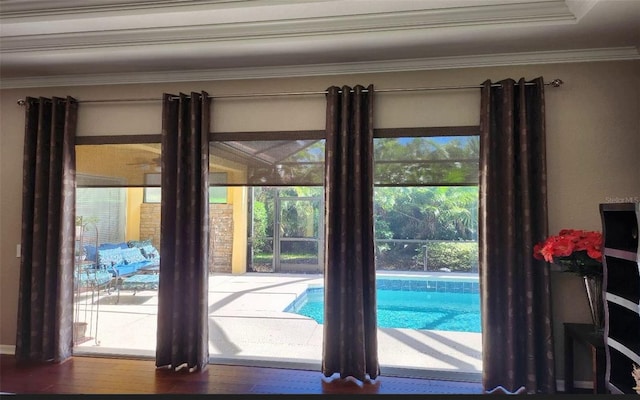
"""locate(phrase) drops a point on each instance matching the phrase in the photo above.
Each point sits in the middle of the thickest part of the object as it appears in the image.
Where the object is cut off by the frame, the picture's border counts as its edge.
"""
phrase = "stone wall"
(220, 236)
(150, 223)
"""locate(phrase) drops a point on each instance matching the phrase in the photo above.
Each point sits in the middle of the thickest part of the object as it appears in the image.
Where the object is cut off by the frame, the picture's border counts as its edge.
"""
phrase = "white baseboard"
(7, 349)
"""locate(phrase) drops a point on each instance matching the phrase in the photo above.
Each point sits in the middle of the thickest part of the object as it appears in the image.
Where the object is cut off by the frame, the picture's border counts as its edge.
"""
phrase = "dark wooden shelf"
(622, 285)
(594, 339)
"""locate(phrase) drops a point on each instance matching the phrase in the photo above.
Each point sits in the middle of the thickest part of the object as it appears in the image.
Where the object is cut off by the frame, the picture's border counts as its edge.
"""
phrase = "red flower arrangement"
(578, 251)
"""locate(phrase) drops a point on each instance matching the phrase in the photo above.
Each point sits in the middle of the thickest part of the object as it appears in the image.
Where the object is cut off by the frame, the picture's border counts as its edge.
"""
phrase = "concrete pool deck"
(247, 326)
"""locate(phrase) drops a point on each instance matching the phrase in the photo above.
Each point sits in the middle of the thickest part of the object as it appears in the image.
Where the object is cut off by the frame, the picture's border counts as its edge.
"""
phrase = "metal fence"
(427, 255)
(391, 255)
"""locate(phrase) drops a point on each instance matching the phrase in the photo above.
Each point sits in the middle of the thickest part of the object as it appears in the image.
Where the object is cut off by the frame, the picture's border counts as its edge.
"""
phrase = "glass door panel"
(299, 235)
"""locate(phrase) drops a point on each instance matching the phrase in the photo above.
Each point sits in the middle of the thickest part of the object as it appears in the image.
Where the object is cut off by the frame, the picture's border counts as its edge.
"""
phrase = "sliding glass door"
(117, 246)
(267, 250)
(426, 219)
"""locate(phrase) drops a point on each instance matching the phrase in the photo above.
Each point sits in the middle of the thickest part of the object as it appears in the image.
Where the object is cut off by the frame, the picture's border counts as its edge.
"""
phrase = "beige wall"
(593, 141)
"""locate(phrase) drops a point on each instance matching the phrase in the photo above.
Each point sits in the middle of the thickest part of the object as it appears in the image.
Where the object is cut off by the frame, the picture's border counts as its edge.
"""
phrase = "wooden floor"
(94, 375)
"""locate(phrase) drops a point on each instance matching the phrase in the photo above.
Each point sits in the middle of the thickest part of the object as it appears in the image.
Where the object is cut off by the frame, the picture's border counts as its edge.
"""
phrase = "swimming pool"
(446, 305)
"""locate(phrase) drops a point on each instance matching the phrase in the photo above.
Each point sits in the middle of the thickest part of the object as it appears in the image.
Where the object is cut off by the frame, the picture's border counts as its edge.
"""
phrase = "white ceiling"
(78, 42)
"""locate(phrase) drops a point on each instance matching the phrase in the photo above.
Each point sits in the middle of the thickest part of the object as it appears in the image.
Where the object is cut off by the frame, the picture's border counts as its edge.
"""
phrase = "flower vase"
(593, 284)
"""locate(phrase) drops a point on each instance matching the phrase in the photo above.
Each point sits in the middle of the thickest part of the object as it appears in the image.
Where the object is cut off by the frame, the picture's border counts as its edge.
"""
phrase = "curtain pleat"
(182, 332)
(515, 288)
(350, 346)
(45, 297)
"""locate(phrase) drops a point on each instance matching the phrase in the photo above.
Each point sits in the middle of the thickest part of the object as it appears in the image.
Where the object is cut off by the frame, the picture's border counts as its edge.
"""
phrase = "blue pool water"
(432, 310)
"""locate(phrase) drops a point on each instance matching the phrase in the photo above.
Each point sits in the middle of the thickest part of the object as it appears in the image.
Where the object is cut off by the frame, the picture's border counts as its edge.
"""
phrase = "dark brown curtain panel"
(45, 299)
(183, 334)
(350, 346)
(517, 327)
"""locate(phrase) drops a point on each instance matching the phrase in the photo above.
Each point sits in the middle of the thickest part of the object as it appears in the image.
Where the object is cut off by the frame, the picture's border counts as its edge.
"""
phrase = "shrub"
(404, 256)
(457, 257)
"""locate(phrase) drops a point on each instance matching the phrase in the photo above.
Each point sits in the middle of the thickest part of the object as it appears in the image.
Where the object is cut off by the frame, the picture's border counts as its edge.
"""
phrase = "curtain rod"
(553, 83)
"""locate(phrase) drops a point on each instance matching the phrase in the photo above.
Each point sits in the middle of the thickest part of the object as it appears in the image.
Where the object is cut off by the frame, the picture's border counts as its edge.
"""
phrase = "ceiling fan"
(148, 164)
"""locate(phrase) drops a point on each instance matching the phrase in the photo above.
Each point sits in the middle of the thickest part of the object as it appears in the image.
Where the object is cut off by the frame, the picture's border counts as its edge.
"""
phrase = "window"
(104, 206)
(267, 211)
(280, 176)
(426, 199)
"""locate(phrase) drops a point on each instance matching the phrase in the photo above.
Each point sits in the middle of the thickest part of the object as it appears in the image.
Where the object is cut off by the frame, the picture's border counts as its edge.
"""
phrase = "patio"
(248, 327)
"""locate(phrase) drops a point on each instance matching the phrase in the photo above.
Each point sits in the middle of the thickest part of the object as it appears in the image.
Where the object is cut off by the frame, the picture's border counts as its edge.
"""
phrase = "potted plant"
(578, 252)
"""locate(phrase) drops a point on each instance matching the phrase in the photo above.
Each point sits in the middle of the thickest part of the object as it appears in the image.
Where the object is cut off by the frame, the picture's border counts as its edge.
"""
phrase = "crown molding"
(36, 8)
(209, 26)
(580, 8)
(21, 9)
(438, 63)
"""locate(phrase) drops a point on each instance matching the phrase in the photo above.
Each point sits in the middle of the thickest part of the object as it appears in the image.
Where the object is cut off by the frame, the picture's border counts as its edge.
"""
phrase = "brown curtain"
(183, 334)
(350, 346)
(515, 288)
(45, 298)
